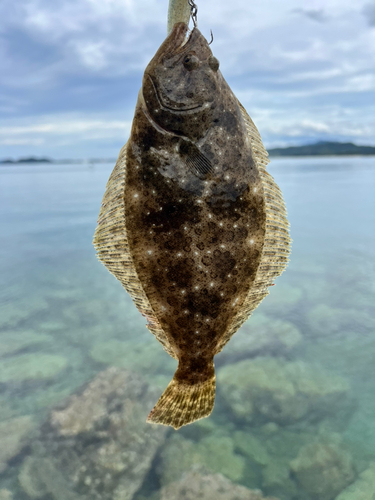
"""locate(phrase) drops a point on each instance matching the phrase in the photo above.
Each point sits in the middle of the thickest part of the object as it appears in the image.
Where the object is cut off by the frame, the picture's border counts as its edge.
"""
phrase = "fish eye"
(213, 63)
(191, 62)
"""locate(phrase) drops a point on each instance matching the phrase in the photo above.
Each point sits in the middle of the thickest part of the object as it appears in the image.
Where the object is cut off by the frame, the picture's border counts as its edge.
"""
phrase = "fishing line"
(193, 12)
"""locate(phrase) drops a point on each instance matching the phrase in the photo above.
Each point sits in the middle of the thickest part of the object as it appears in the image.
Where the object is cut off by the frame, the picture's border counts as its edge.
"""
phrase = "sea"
(295, 409)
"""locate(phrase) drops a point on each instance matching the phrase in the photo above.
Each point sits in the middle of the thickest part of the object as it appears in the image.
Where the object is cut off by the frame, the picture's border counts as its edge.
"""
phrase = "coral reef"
(323, 469)
(96, 445)
(208, 486)
(268, 389)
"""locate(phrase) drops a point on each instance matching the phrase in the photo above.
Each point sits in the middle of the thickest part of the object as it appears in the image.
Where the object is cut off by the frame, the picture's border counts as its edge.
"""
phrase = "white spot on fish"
(251, 241)
(136, 195)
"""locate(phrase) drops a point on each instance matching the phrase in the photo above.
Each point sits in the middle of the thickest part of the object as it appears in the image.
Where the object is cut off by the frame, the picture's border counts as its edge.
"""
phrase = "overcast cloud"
(70, 70)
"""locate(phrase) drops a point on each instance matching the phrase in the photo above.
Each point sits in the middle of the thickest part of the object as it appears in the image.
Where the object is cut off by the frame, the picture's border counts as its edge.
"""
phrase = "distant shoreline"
(33, 160)
(317, 149)
(324, 149)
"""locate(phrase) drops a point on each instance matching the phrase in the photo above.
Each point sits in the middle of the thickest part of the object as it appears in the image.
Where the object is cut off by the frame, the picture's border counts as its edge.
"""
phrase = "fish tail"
(182, 403)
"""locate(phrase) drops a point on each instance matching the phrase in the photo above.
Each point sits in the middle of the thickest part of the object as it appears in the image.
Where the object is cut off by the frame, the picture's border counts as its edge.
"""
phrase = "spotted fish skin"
(196, 218)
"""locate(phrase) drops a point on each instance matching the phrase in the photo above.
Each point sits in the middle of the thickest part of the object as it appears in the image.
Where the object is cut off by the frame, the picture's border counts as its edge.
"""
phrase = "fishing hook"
(193, 12)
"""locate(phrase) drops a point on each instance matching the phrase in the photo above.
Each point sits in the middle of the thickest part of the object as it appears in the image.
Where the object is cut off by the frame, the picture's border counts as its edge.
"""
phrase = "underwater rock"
(15, 341)
(13, 434)
(6, 494)
(208, 486)
(363, 488)
(269, 389)
(39, 477)
(26, 367)
(29, 479)
(323, 469)
(327, 321)
(136, 356)
(282, 299)
(6, 410)
(12, 313)
(96, 445)
(251, 447)
(276, 480)
(214, 452)
(260, 335)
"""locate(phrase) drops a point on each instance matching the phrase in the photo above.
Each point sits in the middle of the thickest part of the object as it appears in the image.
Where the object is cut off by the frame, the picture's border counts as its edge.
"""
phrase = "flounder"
(191, 223)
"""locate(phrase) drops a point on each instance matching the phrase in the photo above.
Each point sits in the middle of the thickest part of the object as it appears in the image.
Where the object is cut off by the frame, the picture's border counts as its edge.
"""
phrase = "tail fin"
(182, 404)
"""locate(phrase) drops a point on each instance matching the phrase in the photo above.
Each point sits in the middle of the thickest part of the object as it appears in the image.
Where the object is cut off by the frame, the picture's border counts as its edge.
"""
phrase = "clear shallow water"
(310, 379)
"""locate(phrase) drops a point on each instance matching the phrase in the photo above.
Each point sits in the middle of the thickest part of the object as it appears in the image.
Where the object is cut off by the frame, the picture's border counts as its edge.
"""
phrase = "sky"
(70, 70)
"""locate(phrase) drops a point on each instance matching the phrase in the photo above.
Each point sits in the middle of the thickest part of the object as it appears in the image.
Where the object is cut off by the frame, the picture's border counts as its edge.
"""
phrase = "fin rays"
(181, 404)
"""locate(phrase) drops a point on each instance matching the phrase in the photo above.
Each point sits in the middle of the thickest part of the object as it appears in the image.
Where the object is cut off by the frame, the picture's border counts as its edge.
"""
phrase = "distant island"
(32, 159)
(323, 149)
(317, 149)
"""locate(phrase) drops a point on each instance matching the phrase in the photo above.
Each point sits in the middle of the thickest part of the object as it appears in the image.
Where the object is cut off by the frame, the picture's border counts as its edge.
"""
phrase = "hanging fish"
(191, 223)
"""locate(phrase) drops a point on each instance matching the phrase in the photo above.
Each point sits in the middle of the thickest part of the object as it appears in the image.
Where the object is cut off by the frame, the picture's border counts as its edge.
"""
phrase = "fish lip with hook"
(182, 78)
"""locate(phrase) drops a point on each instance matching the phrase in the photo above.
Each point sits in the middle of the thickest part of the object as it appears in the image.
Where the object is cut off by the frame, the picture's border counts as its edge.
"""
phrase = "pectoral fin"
(196, 161)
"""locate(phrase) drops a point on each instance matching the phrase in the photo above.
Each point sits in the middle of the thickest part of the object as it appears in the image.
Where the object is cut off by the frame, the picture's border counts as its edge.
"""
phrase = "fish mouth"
(164, 105)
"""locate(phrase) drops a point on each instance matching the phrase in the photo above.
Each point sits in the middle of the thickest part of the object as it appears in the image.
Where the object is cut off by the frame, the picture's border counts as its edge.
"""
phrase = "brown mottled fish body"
(191, 223)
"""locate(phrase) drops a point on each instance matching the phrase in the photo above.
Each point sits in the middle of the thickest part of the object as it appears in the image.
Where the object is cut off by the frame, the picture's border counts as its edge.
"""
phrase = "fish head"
(181, 84)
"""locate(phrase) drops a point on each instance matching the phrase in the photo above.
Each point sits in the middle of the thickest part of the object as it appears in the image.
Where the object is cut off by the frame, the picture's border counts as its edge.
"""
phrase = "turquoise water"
(296, 385)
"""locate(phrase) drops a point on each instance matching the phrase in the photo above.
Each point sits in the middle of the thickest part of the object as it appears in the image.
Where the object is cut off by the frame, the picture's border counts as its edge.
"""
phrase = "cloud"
(369, 12)
(317, 15)
(67, 132)
(71, 69)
